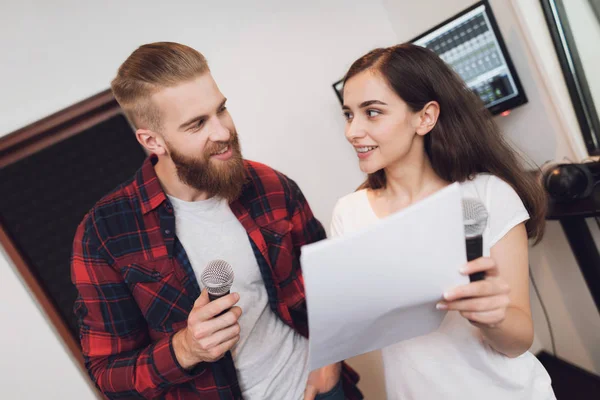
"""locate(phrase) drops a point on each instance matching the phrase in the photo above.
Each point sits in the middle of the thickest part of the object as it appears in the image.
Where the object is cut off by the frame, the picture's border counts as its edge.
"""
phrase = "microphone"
(475, 218)
(217, 278)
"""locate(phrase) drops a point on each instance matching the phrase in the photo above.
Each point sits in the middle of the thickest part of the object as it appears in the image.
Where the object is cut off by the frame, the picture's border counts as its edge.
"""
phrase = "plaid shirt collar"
(149, 190)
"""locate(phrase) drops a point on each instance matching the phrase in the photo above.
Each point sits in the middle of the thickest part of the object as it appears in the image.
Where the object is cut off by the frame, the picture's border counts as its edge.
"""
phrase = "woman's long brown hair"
(465, 140)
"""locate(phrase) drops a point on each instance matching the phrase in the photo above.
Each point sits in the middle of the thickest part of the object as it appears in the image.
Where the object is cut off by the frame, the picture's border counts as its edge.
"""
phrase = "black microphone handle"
(474, 251)
(212, 297)
(227, 361)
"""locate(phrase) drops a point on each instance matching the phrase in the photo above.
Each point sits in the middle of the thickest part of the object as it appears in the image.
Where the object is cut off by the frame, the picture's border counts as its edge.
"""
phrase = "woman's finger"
(481, 264)
(476, 304)
(489, 318)
(486, 287)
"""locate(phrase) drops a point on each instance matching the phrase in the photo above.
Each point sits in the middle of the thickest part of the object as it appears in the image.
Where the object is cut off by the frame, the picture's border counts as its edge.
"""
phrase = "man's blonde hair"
(148, 69)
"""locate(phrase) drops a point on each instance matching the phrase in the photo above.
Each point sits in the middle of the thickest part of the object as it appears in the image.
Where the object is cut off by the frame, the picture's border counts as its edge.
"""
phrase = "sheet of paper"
(373, 288)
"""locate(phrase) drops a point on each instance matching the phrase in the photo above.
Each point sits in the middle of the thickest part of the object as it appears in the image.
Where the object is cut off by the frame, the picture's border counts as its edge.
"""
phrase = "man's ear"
(151, 141)
(428, 117)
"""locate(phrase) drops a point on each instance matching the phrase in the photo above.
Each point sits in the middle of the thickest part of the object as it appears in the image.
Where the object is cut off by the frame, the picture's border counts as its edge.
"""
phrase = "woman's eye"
(373, 113)
(347, 116)
(222, 109)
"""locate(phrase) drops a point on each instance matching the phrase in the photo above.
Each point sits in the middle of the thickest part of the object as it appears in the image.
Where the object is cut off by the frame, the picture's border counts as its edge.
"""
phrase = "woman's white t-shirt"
(454, 362)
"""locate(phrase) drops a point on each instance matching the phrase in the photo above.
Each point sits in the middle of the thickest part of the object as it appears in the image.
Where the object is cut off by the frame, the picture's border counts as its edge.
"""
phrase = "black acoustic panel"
(43, 198)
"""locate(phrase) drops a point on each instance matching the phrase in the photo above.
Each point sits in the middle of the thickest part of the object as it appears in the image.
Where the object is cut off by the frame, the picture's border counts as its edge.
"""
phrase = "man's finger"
(202, 300)
(216, 307)
(221, 336)
(207, 328)
(226, 346)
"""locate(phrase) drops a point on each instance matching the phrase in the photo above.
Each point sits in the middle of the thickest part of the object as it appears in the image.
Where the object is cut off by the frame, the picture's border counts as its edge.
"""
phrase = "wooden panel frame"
(29, 140)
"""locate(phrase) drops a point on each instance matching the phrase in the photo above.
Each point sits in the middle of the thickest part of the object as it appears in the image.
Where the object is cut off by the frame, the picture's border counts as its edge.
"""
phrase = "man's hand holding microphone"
(212, 326)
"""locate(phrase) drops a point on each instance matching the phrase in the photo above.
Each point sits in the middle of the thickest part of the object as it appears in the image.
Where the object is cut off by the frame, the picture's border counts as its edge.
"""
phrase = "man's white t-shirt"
(454, 362)
(270, 357)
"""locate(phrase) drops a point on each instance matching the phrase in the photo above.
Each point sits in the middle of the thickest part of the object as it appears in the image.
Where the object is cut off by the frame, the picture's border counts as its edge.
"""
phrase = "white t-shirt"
(270, 357)
(454, 362)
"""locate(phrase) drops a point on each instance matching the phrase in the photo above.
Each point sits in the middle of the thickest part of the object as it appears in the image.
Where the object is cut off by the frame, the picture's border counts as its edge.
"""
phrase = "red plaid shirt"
(136, 285)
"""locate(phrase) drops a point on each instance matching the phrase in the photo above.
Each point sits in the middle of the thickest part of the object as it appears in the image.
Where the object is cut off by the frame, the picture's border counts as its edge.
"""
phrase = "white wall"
(274, 60)
(34, 363)
(574, 317)
(544, 129)
(537, 137)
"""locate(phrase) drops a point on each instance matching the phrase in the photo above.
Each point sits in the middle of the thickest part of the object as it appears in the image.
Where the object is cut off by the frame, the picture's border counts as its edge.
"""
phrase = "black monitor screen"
(472, 45)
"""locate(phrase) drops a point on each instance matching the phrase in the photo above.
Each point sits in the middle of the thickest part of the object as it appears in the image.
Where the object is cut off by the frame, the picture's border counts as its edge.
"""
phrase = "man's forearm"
(150, 367)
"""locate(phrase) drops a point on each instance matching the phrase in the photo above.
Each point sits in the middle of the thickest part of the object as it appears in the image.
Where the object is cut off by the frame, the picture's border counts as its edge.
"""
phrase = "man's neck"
(172, 185)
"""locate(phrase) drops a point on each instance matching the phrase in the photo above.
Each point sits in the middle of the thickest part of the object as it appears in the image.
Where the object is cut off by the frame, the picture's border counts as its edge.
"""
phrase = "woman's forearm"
(513, 336)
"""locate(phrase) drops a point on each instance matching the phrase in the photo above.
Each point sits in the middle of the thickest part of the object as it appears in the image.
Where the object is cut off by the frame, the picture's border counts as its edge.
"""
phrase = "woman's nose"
(354, 131)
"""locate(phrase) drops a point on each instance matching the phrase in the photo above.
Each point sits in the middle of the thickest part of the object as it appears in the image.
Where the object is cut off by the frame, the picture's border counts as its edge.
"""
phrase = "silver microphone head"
(217, 277)
(475, 217)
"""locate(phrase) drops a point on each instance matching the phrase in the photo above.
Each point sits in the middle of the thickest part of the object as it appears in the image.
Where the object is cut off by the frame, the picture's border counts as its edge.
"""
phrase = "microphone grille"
(475, 217)
(217, 277)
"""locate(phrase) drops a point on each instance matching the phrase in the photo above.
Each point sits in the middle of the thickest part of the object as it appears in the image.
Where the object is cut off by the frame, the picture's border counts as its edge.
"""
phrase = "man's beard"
(216, 177)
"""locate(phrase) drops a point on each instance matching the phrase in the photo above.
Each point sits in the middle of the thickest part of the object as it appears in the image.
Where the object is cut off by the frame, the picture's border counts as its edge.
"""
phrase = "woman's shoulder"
(350, 201)
(505, 207)
(482, 179)
(350, 213)
(486, 185)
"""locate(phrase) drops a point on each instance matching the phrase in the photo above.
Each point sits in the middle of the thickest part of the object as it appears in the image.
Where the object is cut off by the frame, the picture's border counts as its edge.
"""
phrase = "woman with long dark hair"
(417, 128)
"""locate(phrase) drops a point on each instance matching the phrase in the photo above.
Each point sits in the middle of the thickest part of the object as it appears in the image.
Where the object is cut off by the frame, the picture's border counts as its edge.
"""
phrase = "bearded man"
(147, 327)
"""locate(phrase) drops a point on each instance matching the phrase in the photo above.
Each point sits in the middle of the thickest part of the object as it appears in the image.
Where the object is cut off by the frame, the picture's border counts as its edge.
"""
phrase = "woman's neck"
(408, 182)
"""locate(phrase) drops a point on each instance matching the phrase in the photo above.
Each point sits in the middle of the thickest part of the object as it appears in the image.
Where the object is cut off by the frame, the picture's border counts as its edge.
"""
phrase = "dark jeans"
(337, 393)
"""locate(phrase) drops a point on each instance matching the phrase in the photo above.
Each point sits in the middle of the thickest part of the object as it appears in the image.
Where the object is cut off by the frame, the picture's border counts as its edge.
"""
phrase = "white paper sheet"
(370, 289)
